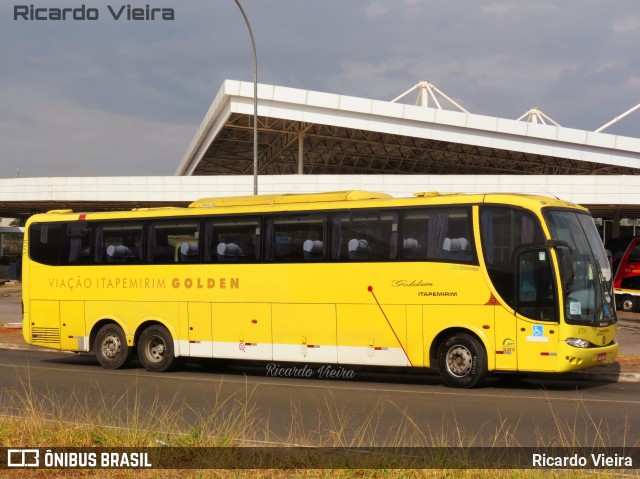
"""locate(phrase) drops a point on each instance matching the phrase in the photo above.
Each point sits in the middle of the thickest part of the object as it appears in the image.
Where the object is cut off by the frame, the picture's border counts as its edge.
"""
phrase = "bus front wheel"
(462, 361)
(112, 351)
(628, 303)
(155, 349)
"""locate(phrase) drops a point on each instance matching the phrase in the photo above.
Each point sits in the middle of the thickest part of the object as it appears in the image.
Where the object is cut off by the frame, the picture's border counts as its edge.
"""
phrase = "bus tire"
(112, 350)
(462, 361)
(155, 349)
(628, 303)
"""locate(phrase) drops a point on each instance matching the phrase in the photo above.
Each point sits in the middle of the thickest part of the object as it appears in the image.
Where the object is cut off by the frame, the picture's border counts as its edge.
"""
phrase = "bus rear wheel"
(155, 349)
(462, 361)
(112, 351)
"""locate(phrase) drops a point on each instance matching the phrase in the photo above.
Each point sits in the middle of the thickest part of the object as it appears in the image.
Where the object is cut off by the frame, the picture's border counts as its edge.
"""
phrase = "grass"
(84, 419)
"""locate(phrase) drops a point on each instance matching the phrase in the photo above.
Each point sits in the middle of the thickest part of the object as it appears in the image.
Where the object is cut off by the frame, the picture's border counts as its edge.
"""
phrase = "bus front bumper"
(571, 358)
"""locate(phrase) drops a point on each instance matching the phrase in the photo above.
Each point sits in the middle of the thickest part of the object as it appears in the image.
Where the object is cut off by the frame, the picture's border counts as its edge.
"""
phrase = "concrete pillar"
(301, 153)
(615, 232)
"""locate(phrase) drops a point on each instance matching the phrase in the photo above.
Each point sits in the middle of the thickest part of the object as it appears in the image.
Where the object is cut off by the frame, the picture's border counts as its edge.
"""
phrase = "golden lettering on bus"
(73, 283)
(205, 283)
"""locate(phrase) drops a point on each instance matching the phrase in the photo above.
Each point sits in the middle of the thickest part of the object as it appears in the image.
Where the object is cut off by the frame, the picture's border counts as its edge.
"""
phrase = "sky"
(121, 97)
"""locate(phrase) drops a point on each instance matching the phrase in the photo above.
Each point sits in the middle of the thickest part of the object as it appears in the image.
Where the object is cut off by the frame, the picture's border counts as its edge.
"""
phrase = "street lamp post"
(255, 101)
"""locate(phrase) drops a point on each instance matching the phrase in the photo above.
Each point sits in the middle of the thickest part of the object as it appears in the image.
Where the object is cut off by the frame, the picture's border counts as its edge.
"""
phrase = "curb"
(603, 376)
(26, 347)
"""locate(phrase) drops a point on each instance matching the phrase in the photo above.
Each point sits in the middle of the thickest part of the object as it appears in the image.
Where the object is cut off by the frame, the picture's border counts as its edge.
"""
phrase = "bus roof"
(287, 198)
(283, 202)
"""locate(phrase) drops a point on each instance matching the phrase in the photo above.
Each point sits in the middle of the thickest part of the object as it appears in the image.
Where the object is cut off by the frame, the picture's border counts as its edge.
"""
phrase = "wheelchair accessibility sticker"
(538, 334)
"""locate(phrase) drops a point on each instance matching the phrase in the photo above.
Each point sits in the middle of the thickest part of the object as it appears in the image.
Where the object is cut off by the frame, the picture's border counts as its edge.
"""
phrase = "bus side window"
(296, 238)
(45, 241)
(173, 242)
(118, 242)
(415, 229)
(438, 234)
(232, 240)
(77, 243)
(370, 235)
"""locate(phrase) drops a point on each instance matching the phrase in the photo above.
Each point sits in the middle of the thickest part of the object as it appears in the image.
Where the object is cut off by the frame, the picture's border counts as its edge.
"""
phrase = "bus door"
(536, 310)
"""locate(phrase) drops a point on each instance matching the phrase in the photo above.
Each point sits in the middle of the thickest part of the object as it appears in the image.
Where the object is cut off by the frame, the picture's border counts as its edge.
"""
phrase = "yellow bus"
(465, 284)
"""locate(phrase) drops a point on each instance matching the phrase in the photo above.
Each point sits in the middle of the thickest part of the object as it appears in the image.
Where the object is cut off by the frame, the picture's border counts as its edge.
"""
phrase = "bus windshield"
(586, 273)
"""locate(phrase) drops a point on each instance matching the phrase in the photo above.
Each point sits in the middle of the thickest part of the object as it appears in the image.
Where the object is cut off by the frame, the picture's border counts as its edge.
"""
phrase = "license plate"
(602, 357)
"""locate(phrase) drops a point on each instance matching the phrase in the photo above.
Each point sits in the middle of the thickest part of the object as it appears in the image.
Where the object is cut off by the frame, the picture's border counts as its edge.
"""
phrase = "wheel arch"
(97, 326)
(157, 322)
(444, 334)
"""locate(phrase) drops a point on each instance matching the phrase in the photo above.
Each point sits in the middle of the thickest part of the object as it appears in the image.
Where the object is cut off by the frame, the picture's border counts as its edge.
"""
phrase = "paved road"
(629, 333)
(370, 409)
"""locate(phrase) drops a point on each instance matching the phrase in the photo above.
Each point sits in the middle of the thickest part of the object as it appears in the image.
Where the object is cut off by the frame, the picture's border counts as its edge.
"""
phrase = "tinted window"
(296, 238)
(635, 253)
(77, 243)
(45, 242)
(443, 234)
(504, 229)
(232, 240)
(173, 242)
(536, 291)
(370, 235)
(118, 243)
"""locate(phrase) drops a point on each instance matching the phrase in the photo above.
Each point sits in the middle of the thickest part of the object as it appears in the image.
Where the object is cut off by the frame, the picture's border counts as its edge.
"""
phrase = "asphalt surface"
(372, 408)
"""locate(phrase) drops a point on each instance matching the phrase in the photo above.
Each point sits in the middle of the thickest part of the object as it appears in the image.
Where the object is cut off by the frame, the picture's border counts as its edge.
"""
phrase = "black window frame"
(53, 255)
(155, 256)
(293, 252)
(209, 243)
(136, 253)
(365, 246)
(434, 251)
(502, 274)
(386, 226)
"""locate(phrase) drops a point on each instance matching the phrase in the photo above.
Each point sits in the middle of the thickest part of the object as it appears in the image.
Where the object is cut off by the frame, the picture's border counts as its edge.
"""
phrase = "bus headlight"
(578, 343)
